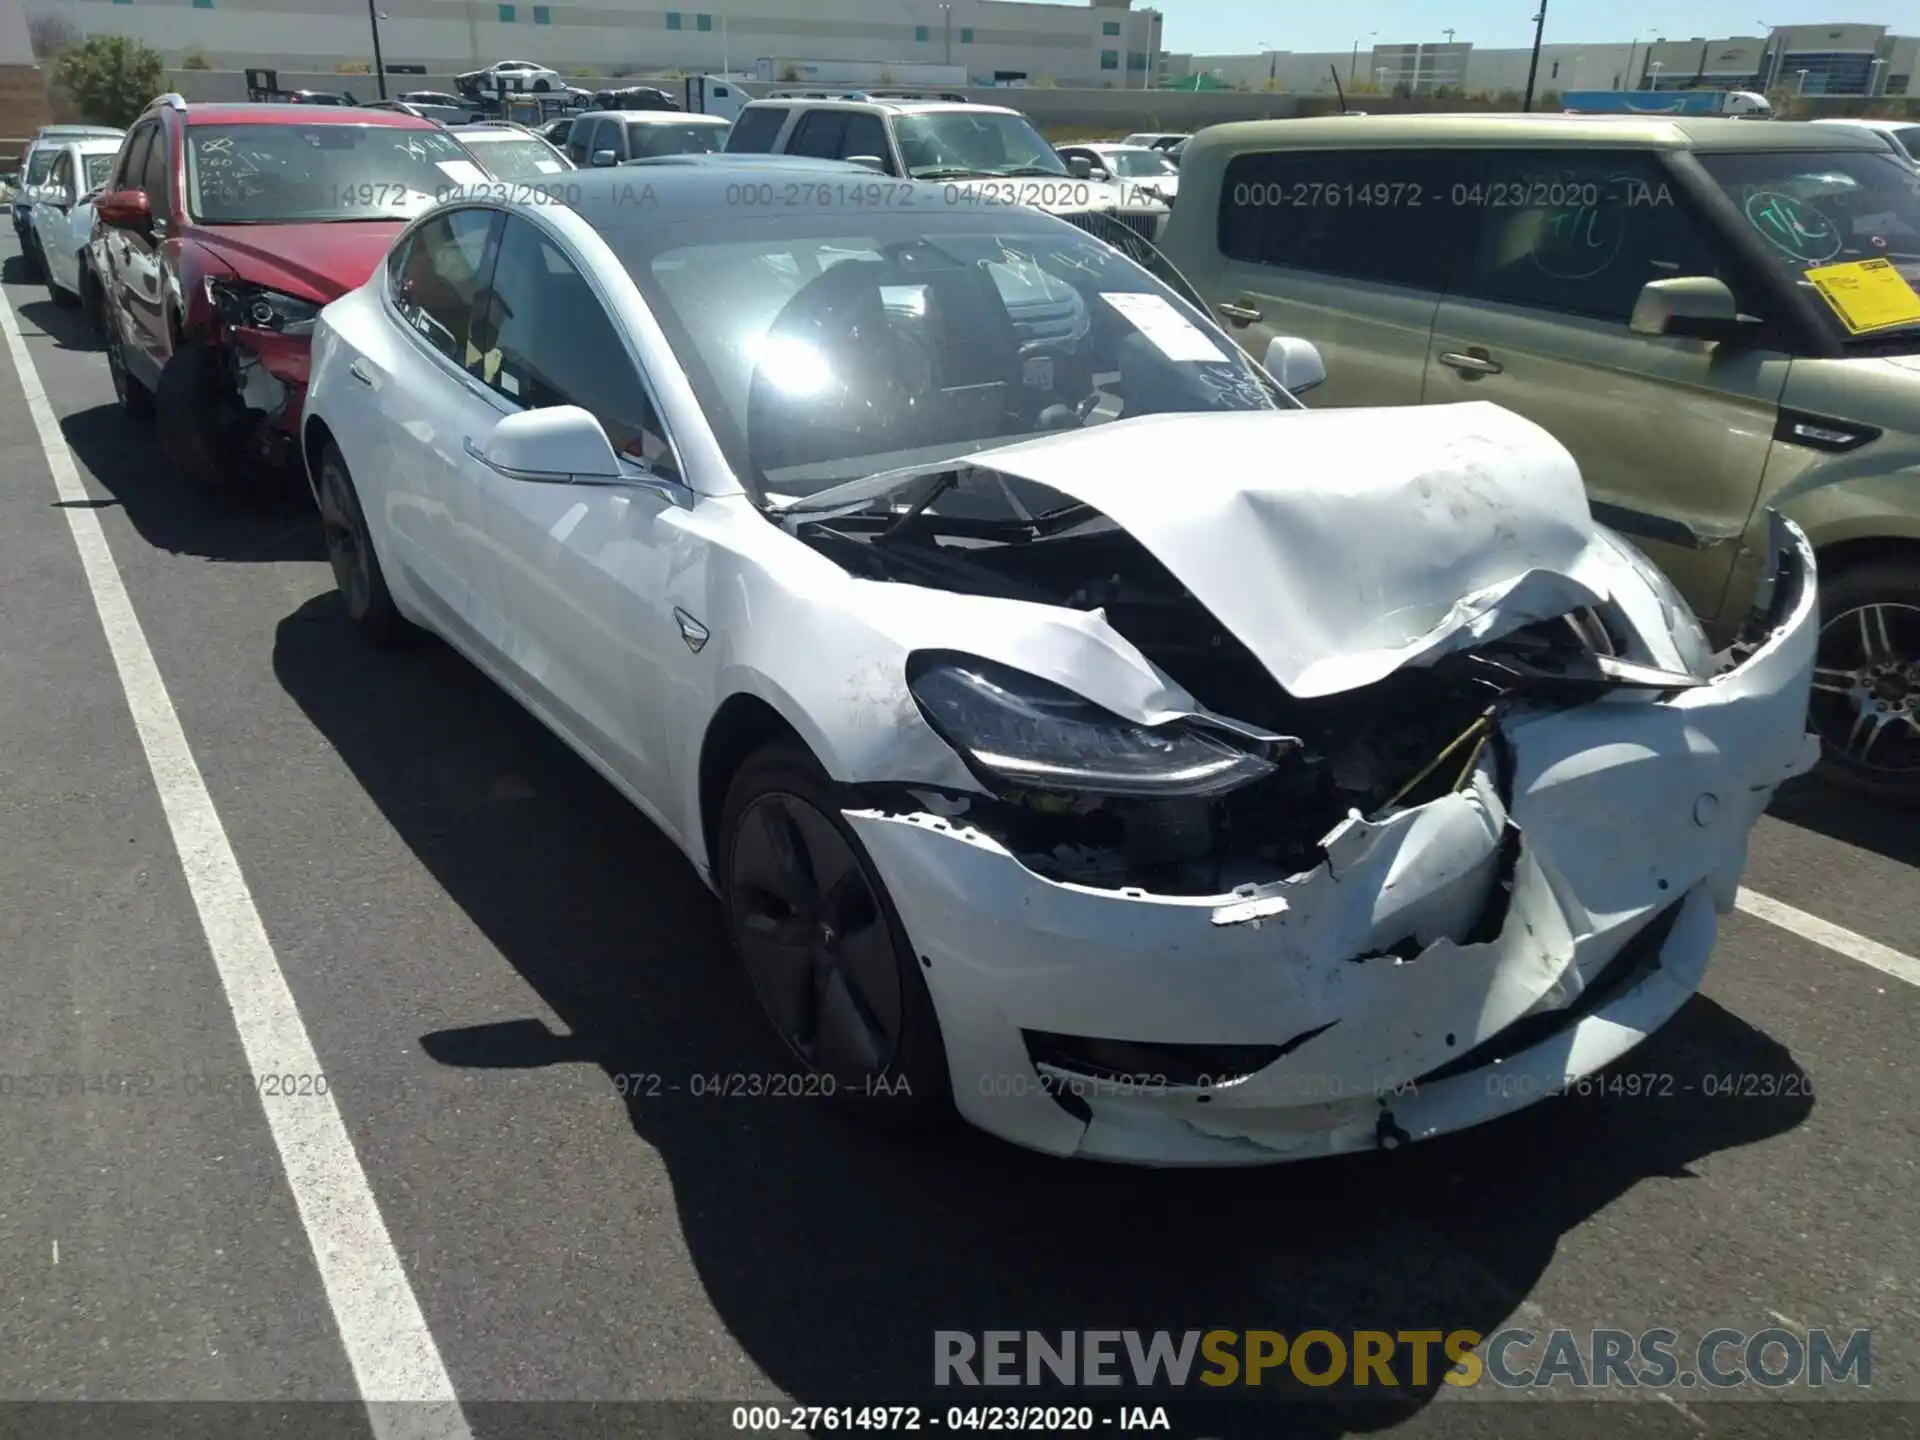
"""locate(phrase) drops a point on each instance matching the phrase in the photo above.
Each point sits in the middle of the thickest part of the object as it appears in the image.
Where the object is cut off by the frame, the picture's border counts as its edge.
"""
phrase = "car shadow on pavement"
(275, 521)
(66, 325)
(14, 270)
(833, 1252)
(1852, 819)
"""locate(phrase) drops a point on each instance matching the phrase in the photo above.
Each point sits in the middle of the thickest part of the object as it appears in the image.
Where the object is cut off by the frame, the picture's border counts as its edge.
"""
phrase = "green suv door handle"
(1474, 362)
(1239, 314)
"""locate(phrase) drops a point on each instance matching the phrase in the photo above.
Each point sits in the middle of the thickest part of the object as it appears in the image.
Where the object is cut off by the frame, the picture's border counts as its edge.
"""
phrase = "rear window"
(40, 165)
(646, 140)
(756, 130)
(99, 171)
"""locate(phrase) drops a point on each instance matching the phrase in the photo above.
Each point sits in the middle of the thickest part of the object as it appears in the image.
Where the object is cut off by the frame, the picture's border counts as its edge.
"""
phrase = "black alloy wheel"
(1866, 687)
(136, 401)
(822, 946)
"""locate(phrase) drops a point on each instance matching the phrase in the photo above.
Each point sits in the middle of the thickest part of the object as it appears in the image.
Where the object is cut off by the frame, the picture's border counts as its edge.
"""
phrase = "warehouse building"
(1839, 59)
(1102, 43)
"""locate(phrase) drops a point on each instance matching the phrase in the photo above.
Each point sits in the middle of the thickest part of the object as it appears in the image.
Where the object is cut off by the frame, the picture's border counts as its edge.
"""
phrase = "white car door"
(416, 399)
(581, 572)
(52, 208)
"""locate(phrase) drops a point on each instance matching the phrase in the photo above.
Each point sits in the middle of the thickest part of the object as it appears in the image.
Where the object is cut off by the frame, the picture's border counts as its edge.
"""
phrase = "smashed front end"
(238, 390)
(1433, 810)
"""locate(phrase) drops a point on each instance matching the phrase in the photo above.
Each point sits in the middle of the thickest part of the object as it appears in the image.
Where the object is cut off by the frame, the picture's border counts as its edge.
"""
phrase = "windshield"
(268, 174)
(1819, 212)
(1139, 164)
(973, 142)
(40, 165)
(516, 157)
(829, 348)
(98, 169)
(1908, 139)
(646, 140)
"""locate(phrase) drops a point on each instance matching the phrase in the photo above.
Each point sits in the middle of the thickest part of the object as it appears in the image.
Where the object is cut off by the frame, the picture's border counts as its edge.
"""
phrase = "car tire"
(356, 565)
(829, 962)
(197, 423)
(542, 87)
(90, 300)
(136, 401)
(1866, 700)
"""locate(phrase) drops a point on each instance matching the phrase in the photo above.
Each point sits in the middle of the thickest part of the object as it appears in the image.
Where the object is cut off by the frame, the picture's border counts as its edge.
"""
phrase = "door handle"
(1239, 314)
(359, 371)
(1475, 362)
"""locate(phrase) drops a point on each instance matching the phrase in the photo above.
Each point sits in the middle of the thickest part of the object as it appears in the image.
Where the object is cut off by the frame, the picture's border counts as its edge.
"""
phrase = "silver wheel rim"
(1866, 684)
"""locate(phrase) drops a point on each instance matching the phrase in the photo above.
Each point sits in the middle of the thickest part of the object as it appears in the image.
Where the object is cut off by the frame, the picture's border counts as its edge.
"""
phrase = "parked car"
(510, 152)
(984, 154)
(1900, 136)
(36, 161)
(555, 132)
(62, 219)
(227, 228)
(857, 545)
(1649, 290)
(438, 98)
(506, 77)
(1157, 139)
(1134, 166)
(321, 97)
(463, 114)
(613, 137)
(633, 97)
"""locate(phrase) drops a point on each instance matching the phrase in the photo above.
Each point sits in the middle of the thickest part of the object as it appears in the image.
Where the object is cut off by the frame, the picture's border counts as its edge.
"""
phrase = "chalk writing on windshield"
(1792, 226)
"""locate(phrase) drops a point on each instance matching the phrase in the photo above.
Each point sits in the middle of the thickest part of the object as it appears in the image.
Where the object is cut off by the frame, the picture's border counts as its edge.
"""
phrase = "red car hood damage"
(318, 262)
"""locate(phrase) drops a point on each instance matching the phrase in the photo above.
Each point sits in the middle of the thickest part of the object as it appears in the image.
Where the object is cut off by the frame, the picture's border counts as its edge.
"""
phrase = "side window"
(1346, 213)
(577, 142)
(62, 176)
(609, 135)
(1578, 233)
(154, 170)
(438, 276)
(133, 158)
(560, 131)
(867, 135)
(818, 134)
(543, 338)
(755, 130)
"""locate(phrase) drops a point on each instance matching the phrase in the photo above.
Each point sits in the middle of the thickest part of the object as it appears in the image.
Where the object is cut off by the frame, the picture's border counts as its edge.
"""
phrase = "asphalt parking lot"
(478, 944)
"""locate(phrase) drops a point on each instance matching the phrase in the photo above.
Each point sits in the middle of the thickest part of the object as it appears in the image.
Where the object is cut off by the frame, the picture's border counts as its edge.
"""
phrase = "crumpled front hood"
(1340, 545)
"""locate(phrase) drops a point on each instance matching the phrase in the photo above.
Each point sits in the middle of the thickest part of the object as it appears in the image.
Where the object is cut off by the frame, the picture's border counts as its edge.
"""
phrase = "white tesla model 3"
(1077, 730)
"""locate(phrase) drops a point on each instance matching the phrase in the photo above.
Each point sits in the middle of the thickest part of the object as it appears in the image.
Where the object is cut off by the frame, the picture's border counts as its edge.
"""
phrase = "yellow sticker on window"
(1867, 294)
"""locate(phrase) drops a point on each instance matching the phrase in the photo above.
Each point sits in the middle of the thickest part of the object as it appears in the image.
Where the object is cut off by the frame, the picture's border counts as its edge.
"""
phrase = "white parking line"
(395, 1361)
(1884, 958)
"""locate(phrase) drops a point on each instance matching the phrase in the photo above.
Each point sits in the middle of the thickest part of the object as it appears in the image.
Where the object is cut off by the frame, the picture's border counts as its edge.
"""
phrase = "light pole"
(1873, 78)
(1533, 65)
(1771, 54)
(1801, 88)
(1654, 70)
(379, 65)
(1355, 60)
(1273, 64)
(946, 16)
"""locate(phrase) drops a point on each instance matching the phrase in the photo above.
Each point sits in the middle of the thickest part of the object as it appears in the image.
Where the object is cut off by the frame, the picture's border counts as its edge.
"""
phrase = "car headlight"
(261, 309)
(1689, 637)
(1020, 732)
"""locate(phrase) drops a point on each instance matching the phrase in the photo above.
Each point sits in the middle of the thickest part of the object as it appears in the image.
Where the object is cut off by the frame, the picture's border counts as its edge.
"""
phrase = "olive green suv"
(1717, 317)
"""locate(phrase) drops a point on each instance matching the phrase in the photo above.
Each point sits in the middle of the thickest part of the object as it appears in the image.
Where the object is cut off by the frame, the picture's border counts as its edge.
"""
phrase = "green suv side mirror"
(1696, 307)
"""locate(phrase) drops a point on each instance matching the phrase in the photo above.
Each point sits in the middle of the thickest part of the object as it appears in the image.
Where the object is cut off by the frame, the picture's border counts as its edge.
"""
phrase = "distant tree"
(1549, 100)
(1509, 100)
(353, 67)
(112, 78)
(194, 60)
(49, 32)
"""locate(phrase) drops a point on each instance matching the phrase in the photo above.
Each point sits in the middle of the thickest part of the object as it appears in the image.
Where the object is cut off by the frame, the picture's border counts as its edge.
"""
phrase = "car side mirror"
(1295, 363)
(603, 158)
(558, 445)
(126, 210)
(1080, 167)
(1696, 307)
(869, 162)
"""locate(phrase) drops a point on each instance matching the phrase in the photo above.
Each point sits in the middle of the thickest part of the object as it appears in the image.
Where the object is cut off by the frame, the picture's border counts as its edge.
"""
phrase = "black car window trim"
(507, 406)
(390, 302)
(132, 164)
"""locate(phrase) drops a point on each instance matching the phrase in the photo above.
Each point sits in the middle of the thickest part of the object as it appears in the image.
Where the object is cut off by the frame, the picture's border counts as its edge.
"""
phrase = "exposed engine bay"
(1417, 734)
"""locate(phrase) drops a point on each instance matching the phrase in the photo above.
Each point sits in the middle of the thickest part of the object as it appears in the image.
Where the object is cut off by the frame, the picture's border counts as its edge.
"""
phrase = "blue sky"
(1212, 27)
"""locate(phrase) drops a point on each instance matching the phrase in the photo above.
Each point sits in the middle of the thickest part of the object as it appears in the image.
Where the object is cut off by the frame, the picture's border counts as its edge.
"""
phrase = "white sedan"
(1077, 730)
(62, 217)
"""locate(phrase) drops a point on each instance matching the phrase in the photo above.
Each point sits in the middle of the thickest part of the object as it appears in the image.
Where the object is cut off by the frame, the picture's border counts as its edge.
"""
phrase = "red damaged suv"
(225, 228)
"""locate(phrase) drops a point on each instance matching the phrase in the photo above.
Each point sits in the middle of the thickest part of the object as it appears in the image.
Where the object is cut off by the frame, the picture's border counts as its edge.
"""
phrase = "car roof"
(50, 130)
(1411, 132)
(93, 144)
(756, 160)
(899, 107)
(653, 117)
(1887, 126)
(268, 113)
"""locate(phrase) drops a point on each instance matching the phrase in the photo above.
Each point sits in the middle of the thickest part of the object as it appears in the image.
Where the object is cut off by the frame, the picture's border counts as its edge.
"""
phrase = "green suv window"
(1579, 233)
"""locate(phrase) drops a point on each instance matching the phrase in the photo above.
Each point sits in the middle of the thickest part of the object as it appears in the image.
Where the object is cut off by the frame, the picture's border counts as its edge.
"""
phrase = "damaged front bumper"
(1447, 964)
